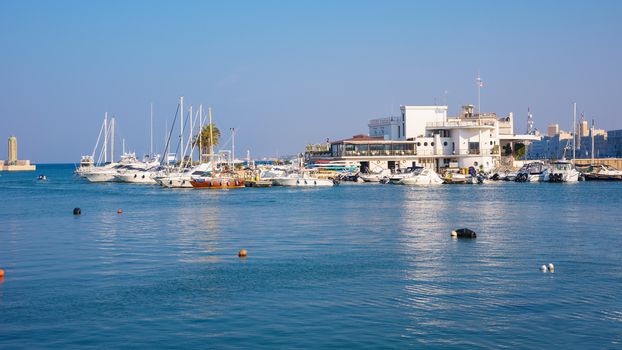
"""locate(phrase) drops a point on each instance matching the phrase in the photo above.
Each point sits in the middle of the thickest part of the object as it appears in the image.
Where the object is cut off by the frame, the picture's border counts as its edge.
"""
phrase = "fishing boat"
(217, 181)
(563, 171)
(533, 172)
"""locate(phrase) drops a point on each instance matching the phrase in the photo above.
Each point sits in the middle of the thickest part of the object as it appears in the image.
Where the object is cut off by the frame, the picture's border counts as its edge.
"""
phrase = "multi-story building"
(426, 136)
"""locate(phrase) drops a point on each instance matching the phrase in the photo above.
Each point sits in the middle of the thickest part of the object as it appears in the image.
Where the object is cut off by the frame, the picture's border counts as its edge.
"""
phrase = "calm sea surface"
(354, 266)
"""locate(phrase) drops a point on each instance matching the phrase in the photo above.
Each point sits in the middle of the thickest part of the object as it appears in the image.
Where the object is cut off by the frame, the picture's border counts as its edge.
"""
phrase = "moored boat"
(562, 171)
(533, 172)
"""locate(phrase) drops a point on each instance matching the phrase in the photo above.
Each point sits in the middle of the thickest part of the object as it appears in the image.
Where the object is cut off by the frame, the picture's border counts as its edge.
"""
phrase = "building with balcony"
(425, 136)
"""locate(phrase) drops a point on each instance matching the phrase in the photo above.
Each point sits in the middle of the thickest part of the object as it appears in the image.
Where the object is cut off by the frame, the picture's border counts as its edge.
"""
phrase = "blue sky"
(288, 73)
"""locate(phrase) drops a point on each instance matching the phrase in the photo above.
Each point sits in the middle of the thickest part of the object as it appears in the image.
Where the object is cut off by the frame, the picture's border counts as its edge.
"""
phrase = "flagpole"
(479, 87)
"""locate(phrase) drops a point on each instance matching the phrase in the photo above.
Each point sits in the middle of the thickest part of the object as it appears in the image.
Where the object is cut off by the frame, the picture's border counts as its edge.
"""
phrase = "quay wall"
(614, 162)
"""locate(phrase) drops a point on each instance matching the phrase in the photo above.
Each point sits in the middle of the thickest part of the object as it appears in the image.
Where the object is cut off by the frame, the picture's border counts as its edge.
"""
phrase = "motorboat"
(533, 172)
(303, 179)
(458, 178)
(376, 176)
(601, 172)
(399, 174)
(563, 171)
(106, 172)
(421, 176)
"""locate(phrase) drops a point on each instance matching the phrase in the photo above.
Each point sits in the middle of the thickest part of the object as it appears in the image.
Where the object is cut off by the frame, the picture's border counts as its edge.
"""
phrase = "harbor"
(310, 175)
(424, 146)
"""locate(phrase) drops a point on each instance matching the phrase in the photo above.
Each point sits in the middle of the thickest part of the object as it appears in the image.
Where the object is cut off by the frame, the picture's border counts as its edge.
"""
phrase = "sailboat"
(215, 178)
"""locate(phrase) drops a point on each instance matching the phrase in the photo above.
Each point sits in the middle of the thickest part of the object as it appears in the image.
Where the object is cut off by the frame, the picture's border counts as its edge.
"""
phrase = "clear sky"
(288, 73)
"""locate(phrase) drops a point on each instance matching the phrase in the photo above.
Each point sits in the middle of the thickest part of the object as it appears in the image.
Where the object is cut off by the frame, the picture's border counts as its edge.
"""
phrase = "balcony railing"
(382, 153)
(384, 121)
(419, 152)
(461, 123)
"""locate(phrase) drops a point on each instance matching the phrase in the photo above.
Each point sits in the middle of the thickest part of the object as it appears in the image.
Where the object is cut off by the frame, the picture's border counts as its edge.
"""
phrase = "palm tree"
(203, 138)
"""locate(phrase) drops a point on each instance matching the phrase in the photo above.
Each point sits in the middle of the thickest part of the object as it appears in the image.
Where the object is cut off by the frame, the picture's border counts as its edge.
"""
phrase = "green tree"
(521, 150)
(203, 138)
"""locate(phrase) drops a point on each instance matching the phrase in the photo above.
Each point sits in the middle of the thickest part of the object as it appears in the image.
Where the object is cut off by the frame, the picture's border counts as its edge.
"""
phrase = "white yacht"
(533, 172)
(137, 175)
(420, 176)
(303, 179)
(563, 171)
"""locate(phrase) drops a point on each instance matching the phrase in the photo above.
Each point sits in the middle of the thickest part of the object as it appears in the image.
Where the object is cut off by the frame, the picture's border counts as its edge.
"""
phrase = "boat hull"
(136, 178)
(218, 183)
(302, 182)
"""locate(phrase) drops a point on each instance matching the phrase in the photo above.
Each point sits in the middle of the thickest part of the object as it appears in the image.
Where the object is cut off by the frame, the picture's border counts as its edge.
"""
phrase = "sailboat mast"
(200, 133)
(232, 148)
(106, 137)
(151, 132)
(181, 125)
(211, 139)
(574, 130)
(190, 135)
(592, 132)
(112, 140)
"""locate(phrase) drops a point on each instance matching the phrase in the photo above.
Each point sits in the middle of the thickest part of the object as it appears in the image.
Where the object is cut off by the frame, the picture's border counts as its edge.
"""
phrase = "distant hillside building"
(607, 144)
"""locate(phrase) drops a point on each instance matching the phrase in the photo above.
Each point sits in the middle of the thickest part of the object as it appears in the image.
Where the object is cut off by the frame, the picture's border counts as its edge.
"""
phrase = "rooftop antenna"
(530, 130)
(480, 85)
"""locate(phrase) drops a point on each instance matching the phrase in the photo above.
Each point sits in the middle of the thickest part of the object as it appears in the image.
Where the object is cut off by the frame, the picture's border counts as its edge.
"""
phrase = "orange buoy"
(242, 253)
(119, 211)
(1, 273)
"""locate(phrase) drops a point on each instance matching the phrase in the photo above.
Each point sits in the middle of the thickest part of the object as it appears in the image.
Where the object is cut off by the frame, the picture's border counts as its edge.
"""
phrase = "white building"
(425, 136)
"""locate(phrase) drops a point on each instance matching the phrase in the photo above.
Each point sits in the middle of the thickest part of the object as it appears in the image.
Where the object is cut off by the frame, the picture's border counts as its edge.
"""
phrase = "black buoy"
(77, 211)
(463, 233)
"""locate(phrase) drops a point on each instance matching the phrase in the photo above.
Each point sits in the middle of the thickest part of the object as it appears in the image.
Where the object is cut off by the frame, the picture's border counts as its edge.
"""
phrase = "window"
(418, 143)
(473, 147)
(432, 144)
(399, 131)
(425, 143)
(445, 143)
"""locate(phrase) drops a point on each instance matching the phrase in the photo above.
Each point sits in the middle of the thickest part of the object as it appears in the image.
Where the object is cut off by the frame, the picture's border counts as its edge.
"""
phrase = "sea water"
(353, 266)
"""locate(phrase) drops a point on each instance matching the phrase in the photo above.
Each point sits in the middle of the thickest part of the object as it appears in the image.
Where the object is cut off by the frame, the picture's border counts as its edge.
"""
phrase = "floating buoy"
(463, 233)
(77, 211)
(1, 273)
(242, 253)
(543, 268)
(119, 211)
(551, 267)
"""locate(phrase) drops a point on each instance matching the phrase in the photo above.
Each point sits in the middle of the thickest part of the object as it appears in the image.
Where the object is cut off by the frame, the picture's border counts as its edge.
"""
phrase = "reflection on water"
(352, 266)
